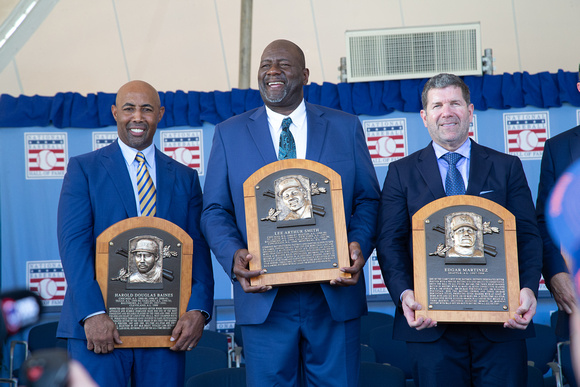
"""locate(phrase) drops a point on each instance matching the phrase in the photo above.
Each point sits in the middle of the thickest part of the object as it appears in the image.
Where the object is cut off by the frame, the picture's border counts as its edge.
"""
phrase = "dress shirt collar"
(130, 153)
(298, 117)
(464, 150)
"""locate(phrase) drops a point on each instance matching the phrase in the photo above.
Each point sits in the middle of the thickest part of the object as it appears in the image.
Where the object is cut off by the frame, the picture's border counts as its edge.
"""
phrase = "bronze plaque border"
(304, 276)
(102, 270)
(420, 266)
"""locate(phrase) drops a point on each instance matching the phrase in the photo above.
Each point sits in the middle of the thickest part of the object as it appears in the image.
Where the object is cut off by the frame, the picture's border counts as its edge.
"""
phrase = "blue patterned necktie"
(454, 184)
(145, 188)
(287, 148)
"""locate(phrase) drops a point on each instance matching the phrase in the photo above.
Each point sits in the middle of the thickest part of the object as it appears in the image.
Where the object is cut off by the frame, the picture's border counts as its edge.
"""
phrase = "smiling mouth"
(136, 130)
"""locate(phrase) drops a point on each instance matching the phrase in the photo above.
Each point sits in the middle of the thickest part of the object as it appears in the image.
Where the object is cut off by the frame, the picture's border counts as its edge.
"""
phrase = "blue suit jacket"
(241, 146)
(559, 153)
(97, 193)
(415, 181)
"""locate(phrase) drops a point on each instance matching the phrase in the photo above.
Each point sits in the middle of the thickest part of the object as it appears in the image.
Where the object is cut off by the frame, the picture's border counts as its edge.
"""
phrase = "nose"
(137, 115)
(273, 69)
(446, 110)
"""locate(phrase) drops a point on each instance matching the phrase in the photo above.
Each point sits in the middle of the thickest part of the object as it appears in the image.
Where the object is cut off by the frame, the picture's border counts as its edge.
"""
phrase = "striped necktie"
(454, 184)
(287, 148)
(145, 188)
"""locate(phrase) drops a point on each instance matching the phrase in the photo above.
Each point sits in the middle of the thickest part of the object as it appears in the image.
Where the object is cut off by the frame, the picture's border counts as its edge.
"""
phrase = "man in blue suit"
(316, 326)
(457, 354)
(99, 190)
(559, 153)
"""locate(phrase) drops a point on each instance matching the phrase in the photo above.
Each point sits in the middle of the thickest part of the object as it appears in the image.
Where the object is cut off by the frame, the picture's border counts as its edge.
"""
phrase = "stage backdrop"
(515, 113)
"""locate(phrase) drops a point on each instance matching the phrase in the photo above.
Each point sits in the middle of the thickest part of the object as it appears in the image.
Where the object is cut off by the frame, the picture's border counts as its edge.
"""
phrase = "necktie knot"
(452, 158)
(286, 123)
(140, 158)
(287, 147)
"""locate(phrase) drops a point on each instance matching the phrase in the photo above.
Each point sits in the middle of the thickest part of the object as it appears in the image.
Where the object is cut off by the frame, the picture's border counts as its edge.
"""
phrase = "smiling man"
(100, 189)
(457, 354)
(314, 328)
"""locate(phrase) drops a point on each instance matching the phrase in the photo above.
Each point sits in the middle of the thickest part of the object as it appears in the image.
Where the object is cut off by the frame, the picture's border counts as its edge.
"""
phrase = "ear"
(306, 74)
(161, 112)
(424, 117)
(114, 111)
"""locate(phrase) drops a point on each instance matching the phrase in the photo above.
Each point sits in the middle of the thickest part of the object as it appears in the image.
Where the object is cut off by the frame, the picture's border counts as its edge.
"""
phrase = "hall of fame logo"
(102, 139)
(46, 278)
(46, 155)
(386, 139)
(376, 282)
(185, 146)
(526, 134)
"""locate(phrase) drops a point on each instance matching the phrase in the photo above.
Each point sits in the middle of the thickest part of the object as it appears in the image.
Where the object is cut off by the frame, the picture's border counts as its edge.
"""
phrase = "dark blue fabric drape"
(65, 110)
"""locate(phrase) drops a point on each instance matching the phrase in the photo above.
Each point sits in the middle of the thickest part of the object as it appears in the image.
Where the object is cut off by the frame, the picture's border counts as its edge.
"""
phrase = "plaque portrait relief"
(293, 198)
(464, 236)
(144, 269)
(145, 260)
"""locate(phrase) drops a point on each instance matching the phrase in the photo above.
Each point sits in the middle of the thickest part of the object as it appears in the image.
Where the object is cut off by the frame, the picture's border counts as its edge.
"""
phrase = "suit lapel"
(260, 132)
(165, 180)
(479, 168)
(429, 170)
(317, 128)
(112, 158)
(575, 146)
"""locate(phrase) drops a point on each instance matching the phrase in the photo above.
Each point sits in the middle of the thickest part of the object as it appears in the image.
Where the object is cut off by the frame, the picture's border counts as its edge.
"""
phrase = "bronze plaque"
(144, 271)
(295, 223)
(465, 260)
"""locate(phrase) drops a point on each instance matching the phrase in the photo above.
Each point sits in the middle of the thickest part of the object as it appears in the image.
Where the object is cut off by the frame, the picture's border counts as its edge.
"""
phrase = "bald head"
(283, 44)
(138, 87)
(137, 111)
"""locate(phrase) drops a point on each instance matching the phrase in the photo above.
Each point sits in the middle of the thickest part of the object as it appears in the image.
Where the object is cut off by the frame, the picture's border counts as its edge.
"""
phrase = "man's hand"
(242, 259)
(357, 263)
(563, 291)
(188, 331)
(409, 308)
(525, 312)
(102, 333)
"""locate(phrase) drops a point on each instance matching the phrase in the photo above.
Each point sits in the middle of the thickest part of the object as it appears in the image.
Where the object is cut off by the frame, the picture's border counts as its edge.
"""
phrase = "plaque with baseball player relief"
(143, 266)
(295, 223)
(465, 261)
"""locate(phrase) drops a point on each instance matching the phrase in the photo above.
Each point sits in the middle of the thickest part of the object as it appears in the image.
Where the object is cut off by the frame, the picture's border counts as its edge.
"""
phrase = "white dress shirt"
(298, 128)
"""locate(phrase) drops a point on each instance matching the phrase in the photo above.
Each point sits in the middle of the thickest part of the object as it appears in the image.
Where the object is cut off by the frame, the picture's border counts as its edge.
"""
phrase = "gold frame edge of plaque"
(102, 268)
(420, 269)
(297, 277)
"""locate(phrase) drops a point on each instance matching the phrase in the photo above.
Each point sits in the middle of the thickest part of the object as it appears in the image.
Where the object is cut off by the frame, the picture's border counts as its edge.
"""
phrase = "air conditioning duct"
(413, 52)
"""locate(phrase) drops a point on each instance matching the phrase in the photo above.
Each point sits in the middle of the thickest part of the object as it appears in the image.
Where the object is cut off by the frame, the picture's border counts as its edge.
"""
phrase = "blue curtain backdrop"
(72, 110)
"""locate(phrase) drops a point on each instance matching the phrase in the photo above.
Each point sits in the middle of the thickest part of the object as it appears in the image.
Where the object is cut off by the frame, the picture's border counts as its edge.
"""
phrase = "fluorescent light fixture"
(20, 25)
(18, 22)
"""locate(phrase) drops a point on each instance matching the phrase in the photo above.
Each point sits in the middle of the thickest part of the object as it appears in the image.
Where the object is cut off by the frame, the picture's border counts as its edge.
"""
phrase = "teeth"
(137, 130)
(275, 83)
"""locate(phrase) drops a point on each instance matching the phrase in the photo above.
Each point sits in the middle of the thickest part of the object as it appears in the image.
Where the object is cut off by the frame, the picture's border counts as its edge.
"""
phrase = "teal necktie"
(145, 188)
(454, 184)
(287, 148)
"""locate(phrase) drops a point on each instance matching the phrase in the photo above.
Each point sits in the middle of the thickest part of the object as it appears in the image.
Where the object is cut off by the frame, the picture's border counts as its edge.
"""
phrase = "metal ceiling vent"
(414, 52)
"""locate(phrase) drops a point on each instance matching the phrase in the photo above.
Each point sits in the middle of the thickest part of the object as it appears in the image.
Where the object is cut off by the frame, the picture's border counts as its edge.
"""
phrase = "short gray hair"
(441, 81)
